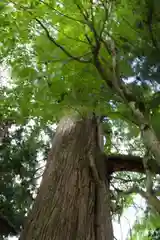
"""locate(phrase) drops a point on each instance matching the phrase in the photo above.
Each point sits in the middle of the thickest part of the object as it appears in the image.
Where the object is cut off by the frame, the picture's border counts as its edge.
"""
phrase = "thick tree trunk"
(71, 203)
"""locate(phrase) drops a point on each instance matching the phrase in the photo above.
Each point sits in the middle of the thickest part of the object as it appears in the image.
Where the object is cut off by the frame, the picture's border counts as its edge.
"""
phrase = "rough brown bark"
(121, 162)
(71, 204)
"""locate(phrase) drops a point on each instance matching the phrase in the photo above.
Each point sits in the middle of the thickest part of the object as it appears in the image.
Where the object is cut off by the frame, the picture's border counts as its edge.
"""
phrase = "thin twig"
(89, 41)
(74, 39)
(128, 180)
(88, 22)
(60, 46)
(105, 19)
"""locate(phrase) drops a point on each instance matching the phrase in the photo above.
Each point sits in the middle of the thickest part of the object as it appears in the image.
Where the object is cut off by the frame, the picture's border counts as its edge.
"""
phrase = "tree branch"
(74, 39)
(79, 59)
(149, 180)
(90, 25)
(130, 180)
(118, 163)
(136, 105)
(105, 18)
(6, 227)
(150, 7)
(151, 199)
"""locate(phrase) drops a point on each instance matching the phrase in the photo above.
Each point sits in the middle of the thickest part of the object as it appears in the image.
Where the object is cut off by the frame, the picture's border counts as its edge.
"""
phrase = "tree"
(87, 83)
(19, 171)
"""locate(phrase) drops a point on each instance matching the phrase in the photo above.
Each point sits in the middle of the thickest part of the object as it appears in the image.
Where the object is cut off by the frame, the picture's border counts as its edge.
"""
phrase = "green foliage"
(44, 71)
(18, 167)
(146, 228)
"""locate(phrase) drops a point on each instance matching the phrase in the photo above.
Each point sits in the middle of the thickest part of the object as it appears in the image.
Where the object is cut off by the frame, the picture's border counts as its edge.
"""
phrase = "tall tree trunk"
(71, 203)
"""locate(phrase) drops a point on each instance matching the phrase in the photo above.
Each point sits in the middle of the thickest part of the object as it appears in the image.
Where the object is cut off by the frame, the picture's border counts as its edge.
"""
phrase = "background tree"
(21, 151)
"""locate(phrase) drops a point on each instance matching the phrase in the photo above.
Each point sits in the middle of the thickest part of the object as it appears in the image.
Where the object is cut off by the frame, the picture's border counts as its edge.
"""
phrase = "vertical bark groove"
(70, 204)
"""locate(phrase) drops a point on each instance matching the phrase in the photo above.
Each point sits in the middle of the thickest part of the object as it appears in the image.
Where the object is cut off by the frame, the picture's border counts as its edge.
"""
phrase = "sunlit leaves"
(145, 227)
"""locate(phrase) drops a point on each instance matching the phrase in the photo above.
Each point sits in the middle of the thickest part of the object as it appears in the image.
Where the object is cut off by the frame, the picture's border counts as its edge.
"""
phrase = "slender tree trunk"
(148, 134)
(151, 142)
(71, 204)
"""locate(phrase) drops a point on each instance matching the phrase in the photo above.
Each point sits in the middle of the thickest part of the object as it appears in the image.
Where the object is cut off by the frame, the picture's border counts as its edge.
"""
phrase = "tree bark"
(71, 203)
(124, 163)
(148, 134)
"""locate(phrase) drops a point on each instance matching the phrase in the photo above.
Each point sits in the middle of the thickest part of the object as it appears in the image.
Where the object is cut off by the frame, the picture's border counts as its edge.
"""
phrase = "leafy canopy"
(50, 46)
